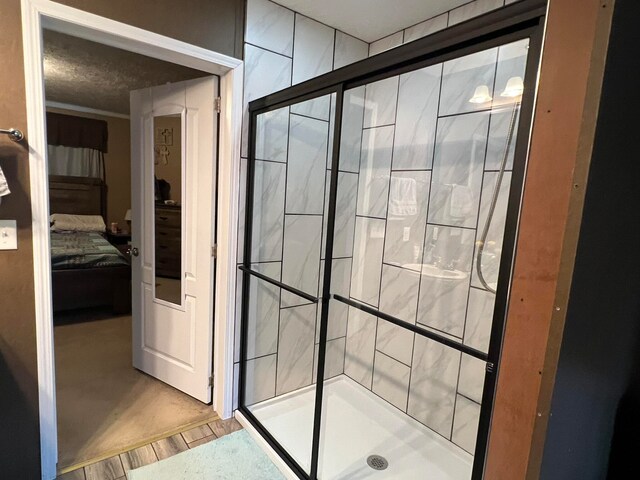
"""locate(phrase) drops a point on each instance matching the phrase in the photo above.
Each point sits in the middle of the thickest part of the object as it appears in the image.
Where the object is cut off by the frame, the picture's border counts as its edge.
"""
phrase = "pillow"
(77, 223)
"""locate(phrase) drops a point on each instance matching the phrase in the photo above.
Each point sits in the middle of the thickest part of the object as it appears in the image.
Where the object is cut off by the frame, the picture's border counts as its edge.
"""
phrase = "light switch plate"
(8, 235)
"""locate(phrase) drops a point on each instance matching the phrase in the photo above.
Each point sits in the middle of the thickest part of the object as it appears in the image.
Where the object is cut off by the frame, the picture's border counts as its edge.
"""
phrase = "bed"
(87, 271)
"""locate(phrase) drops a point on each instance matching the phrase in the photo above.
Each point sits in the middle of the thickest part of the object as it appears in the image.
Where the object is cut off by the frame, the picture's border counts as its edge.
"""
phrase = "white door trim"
(37, 14)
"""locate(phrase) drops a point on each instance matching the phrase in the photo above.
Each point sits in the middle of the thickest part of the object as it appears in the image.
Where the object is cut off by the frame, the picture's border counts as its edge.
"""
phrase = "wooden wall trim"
(571, 74)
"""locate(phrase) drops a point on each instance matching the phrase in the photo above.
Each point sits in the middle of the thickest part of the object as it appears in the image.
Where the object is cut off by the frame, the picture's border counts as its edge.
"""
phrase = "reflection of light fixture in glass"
(481, 95)
(514, 87)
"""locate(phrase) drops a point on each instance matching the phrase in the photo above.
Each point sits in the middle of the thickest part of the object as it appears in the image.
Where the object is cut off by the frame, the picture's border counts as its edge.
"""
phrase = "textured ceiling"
(89, 74)
(370, 20)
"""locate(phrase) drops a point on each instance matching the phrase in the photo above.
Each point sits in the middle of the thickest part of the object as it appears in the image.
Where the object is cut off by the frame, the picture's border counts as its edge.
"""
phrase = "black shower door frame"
(521, 20)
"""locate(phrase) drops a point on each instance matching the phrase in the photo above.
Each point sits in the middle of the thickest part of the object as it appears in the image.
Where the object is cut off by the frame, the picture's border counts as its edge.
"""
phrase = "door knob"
(135, 252)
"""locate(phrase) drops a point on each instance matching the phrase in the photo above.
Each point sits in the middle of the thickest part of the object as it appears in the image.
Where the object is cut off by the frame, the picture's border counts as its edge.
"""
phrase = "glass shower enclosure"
(382, 209)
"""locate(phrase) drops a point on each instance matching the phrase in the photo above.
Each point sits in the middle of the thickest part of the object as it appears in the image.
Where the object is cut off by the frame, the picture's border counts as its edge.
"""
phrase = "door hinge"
(217, 102)
(490, 367)
(214, 251)
(211, 381)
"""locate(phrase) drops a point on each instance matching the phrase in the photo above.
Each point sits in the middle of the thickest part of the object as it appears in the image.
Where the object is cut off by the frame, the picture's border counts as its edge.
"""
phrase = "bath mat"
(232, 457)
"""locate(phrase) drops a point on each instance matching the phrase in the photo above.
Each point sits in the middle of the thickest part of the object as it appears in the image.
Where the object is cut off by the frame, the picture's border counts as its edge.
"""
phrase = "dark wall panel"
(597, 390)
(212, 24)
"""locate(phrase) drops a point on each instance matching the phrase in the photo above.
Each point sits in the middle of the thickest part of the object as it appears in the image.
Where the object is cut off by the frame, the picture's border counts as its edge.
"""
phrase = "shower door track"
(520, 20)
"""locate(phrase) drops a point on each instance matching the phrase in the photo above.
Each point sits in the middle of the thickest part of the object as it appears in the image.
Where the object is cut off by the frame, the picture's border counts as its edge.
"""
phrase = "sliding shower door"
(289, 179)
(382, 216)
(426, 160)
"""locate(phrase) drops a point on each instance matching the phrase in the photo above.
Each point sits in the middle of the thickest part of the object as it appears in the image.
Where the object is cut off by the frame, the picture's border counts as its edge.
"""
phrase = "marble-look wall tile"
(407, 218)
(461, 76)
(399, 293)
(306, 167)
(444, 284)
(264, 72)
(471, 381)
(380, 102)
(361, 339)
(313, 49)
(236, 382)
(457, 169)
(500, 125)
(394, 341)
(432, 392)
(333, 359)
(269, 26)
(391, 380)
(425, 28)
(348, 50)
(465, 426)
(261, 379)
(301, 260)
(473, 9)
(375, 170)
(272, 135)
(242, 204)
(345, 214)
(312, 56)
(386, 43)
(479, 319)
(492, 252)
(295, 348)
(268, 212)
(351, 137)
(367, 260)
(416, 119)
(264, 311)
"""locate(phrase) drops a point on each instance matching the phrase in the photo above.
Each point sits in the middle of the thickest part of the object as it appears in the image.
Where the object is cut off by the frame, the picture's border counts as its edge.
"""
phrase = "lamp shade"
(481, 95)
(127, 216)
(514, 87)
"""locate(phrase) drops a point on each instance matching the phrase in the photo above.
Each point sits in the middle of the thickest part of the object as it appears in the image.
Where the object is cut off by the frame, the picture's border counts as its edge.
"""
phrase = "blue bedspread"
(83, 250)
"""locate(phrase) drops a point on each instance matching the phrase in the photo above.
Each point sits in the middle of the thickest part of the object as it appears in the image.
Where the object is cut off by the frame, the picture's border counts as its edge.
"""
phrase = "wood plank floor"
(115, 468)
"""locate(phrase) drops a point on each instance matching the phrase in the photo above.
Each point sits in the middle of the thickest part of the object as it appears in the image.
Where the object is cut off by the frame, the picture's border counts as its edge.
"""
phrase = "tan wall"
(19, 426)
(172, 172)
(213, 24)
(117, 164)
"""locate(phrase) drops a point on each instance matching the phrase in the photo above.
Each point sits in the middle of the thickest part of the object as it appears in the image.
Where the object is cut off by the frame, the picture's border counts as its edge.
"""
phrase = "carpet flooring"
(104, 404)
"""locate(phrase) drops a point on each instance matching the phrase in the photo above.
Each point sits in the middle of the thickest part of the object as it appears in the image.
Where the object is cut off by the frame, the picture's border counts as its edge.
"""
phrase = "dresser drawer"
(168, 217)
(165, 233)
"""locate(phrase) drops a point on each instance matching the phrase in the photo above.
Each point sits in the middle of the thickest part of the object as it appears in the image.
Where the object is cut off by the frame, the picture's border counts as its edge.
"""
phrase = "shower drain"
(377, 462)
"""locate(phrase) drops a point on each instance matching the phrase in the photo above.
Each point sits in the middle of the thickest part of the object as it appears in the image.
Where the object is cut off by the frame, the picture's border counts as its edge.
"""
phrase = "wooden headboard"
(77, 195)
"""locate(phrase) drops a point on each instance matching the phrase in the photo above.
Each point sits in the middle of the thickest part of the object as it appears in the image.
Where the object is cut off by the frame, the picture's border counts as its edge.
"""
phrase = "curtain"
(75, 162)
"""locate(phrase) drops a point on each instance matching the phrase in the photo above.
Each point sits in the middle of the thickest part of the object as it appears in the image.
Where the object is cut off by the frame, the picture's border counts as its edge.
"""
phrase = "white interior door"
(173, 138)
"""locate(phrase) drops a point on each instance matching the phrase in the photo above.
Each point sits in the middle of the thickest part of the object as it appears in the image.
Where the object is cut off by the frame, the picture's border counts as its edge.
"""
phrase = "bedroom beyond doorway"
(113, 393)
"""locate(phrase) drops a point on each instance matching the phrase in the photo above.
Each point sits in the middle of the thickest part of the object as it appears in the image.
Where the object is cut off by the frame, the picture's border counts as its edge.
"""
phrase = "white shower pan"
(358, 424)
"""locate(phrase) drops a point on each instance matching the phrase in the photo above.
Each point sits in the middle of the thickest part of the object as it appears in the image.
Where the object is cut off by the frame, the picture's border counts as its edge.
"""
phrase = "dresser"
(168, 240)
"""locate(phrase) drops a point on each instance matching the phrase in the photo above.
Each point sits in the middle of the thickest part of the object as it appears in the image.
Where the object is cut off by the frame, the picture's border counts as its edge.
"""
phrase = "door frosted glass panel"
(430, 153)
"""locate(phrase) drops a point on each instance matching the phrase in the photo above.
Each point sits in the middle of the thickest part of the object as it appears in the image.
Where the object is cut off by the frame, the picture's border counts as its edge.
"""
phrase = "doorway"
(126, 376)
(38, 15)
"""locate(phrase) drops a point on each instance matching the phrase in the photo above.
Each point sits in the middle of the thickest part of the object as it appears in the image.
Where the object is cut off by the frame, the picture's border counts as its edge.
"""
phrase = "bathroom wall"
(457, 15)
